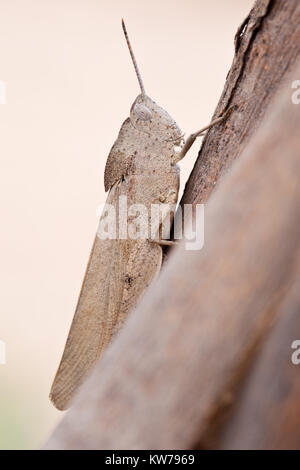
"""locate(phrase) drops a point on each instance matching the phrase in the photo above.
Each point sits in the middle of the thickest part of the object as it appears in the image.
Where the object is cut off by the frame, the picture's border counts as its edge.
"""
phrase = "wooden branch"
(267, 45)
(267, 411)
(173, 371)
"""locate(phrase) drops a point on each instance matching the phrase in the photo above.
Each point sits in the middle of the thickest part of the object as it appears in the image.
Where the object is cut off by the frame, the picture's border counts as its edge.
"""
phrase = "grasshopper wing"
(118, 272)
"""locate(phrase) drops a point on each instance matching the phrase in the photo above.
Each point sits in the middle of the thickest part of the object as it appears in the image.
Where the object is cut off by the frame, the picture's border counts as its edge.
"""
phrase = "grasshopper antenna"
(133, 59)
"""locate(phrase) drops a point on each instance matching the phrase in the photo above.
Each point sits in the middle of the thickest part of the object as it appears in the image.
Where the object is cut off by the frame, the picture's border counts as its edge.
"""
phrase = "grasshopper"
(142, 165)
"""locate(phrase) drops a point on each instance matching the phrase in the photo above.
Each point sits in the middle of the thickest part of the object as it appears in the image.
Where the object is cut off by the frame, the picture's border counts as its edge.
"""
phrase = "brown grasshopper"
(141, 166)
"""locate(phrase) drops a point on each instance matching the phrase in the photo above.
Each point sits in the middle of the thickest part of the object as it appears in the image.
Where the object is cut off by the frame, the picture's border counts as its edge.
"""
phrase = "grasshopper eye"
(142, 112)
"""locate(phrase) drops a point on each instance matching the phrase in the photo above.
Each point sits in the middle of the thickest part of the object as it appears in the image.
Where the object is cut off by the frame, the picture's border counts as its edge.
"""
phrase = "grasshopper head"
(147, 116)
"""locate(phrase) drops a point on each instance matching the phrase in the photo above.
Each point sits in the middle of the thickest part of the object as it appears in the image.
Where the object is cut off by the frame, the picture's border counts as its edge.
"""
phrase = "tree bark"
(267, 44)
(173, 376)
(266, 415)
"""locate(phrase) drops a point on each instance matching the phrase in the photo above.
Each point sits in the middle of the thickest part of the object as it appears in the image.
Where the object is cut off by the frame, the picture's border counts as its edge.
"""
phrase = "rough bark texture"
(175, 373)
(266, 415)
(267, 45)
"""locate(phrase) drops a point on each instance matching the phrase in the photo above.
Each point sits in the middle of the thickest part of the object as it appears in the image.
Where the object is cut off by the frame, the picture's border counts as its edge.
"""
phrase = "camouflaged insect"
(141, 166)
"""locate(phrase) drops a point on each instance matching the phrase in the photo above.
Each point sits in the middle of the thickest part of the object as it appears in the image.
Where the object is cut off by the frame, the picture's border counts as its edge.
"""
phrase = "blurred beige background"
(70, 84)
